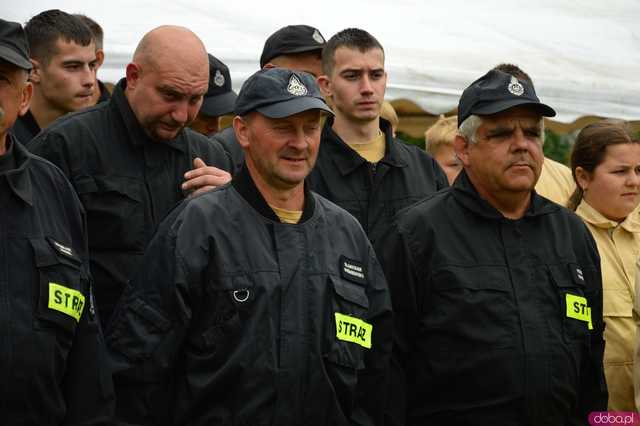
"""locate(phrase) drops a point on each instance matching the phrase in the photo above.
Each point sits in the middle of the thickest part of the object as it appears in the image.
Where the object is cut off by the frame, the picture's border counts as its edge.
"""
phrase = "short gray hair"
(471, 124)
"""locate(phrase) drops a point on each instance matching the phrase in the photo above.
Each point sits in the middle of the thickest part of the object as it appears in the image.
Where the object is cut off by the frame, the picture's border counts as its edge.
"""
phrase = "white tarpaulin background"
(583, 55)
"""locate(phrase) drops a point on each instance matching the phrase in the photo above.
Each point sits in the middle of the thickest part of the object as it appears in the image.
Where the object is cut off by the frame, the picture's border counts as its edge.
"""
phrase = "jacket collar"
(137, 136)
(467, 195)
(595, 218)
(19, 179)
(347, 160)
(244, 184)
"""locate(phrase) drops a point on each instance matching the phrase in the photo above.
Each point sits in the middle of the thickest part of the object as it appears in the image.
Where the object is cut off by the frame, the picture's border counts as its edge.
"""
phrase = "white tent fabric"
(584, 56)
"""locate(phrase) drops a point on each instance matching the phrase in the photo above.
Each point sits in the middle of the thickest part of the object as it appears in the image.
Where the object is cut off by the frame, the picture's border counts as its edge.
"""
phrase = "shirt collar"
(244, 184)
(468, 196)
(19, 179)
(595, 218)
(137, 136)
(347, 159)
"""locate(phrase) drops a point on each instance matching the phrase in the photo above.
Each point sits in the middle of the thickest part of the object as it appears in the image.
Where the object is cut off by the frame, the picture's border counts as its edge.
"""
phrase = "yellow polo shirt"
(372, 151)
(555, 182)
(619, 246)
(287, 216)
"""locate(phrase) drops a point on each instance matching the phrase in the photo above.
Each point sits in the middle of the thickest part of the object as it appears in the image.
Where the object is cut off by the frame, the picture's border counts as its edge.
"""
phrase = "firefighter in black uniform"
(497, 291)
(129, 159)
(52, 364)
(361, 166)
(276, 312)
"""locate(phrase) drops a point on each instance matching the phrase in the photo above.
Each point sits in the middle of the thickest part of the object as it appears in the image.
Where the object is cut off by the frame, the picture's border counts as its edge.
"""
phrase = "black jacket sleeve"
(147, 330)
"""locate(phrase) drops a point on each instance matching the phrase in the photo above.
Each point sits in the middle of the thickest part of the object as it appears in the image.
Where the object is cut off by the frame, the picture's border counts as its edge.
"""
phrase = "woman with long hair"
(605, 164)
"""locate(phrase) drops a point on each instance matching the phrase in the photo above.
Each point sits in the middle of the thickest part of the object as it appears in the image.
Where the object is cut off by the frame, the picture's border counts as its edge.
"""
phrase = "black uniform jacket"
(374, 193)
(52, 353)
(126, 182)
(25, 128)
(490, 313)
(238, 319)
(229, 142)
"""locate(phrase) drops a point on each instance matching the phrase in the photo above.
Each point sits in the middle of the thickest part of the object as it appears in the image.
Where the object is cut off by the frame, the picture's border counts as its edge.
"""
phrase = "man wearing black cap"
(497, 291)
(52, 360)
(219, 99)
(294, 47)
(274, 313)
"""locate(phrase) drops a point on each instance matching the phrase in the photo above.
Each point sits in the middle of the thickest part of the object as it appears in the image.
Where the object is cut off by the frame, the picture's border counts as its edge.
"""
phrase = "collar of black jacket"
(347, 160)
(137, 135)
(467, 195)
(243, 183)
(19, 179)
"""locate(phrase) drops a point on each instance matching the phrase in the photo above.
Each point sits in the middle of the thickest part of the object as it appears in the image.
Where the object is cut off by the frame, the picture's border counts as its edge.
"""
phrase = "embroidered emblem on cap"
(295, 87)
(218, 79)
(515, 87)
(318, 37)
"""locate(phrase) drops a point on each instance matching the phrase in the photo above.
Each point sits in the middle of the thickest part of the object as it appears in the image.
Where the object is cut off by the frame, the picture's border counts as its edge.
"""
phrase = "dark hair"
(44, 30)
(590, 148)
(96, 29)
(515, 71)
(352, 38)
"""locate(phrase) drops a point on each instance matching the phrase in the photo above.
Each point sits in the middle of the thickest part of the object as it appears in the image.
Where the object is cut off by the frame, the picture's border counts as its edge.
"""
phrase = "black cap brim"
(218, 105)
(293, 106)
(11, 56)
(496, 107)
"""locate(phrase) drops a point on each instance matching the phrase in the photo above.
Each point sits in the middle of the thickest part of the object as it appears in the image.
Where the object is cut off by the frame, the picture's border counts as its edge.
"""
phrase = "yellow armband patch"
(66, 300)
(577, 308)
(354, 330)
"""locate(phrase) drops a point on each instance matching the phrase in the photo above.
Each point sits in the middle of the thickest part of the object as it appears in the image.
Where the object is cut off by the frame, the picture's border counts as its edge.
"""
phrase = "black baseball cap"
(291, 39)
(13, 44)
(497, 91)
(280, 92)
(220, 98)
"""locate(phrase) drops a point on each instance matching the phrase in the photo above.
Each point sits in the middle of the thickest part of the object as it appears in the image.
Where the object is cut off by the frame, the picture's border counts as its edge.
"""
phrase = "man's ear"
(99, 58)
(36, 71)
(242, 131)
(461, 148)
(583, 178)
(133, 75)
(25, 100)
(325, 85)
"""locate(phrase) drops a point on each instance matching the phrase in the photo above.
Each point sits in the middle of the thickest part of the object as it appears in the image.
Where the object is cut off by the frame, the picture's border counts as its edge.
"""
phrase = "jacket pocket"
(350, 333)
(115, 211)
(60, 296)
(470, 306)
(229, 303)
(617, 303)
(138, 330)
(574, 310)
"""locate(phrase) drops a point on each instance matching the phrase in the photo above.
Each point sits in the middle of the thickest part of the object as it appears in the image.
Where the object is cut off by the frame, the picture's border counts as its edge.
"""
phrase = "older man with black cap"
(294, 47)
(218, 101)
(274, 313)
(497, 291)
(52, 363)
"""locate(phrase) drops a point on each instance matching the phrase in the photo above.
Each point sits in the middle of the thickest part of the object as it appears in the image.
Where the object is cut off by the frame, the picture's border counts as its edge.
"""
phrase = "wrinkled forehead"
(520, 115)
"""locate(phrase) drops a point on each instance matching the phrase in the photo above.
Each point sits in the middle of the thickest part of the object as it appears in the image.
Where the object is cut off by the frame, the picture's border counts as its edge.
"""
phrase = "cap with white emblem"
(280, 92)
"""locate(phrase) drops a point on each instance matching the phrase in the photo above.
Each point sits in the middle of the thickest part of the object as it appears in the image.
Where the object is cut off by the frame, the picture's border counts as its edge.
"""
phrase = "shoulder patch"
(352, 270)
(576, 273)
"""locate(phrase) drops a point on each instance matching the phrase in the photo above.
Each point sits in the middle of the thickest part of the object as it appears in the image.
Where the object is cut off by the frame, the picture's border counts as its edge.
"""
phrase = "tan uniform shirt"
(619, 246)
(555, 182)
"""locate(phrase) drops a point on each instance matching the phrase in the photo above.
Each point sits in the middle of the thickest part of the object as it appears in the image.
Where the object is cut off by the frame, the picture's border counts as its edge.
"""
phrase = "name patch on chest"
(66, 300)
(352, 270)
(354, 330)
(578, 309)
